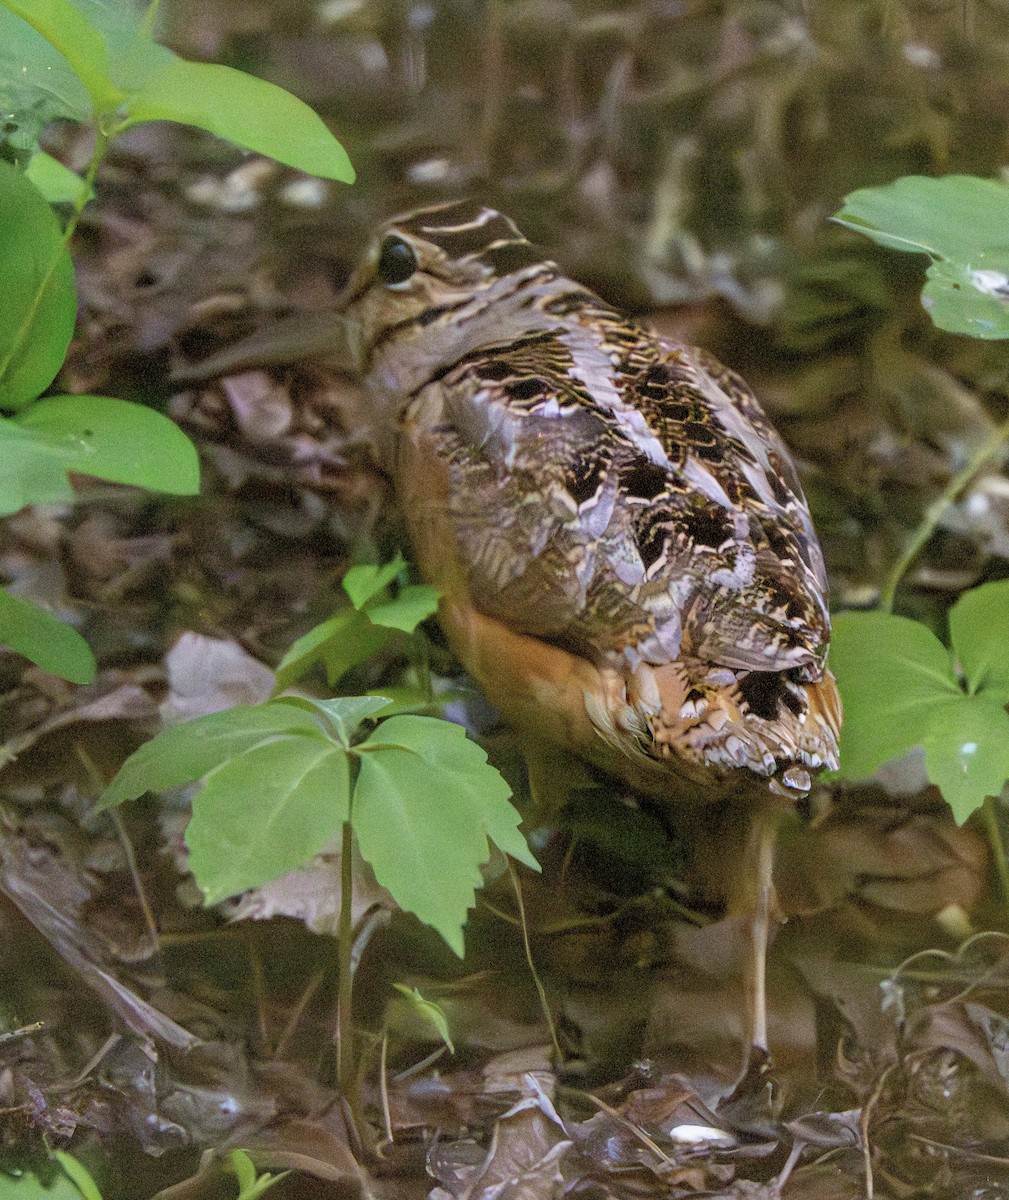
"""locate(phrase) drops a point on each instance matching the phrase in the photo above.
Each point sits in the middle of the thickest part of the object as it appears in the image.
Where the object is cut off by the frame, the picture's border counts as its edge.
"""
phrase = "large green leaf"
(979, 632)
(967, 751)
(267, 812)
(117, 440)
(962, 224)
(891, 672)
(248, 111)
(46, 640)
(81, 44)
(39, 297)
(899, 691)
(37, 84)
(425, 804)
(188, 751)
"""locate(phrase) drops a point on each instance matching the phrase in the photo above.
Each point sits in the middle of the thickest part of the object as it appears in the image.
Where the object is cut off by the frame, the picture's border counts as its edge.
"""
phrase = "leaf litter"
(168, 1030)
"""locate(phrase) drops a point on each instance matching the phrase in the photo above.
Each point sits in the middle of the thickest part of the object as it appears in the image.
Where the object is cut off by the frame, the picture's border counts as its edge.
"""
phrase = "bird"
(627, 564)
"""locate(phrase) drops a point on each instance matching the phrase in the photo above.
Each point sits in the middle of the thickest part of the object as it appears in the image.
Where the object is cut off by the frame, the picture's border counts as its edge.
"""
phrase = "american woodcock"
(627, 561)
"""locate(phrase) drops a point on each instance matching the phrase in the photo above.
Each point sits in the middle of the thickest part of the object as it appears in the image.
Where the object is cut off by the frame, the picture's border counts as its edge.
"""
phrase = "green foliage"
(375, 619)
(45, 639)
(960, 223)
(40, 296)
(28, 1186)
(902, 688)
(283, 777)
(91, 435)
(96, 60)
(250, 1185)
(79, 1174)
(128, 78)
(72, 1182)
(428, 1011)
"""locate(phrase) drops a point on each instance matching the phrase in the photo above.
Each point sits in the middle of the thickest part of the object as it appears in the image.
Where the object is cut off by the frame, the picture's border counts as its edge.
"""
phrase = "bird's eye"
(396, 260)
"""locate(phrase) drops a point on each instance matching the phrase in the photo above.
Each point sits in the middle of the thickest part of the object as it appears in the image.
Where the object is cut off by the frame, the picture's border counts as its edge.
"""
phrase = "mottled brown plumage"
(628, 563)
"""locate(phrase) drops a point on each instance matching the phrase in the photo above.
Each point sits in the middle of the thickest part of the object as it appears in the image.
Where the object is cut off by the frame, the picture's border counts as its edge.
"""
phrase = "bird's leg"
(764, 910)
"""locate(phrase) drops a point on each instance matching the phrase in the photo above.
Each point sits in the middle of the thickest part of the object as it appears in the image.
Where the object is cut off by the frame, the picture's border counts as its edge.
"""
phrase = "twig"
(540, 990)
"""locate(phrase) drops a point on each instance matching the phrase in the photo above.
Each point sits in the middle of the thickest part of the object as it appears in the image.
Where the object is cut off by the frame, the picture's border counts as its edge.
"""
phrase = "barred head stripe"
(462, 242)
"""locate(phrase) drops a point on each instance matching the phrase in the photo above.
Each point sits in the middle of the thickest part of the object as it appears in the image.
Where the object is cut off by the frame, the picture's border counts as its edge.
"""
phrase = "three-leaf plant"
(900, 686)
(356, 633)
(285, 776)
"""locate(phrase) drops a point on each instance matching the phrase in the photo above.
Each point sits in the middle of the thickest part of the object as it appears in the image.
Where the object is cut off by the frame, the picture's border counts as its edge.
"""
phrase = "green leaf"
(408, 698)
(80, 43)
(188, 751)
(37, 84)
(250, 1185)
(978, 625)
(891, 672)
(248, 111)
(117, 440)
(342, 641)
(35, 468)
(899, 691)
(40, 300)
(363, 582)
(425, 804)
(79, 1174)
(413, 603)
(967, 751)
(45, 639)
(57, 183)
(342, 713)
(433, 1013)
(962, 224)
(266, 812)
(28, 1186)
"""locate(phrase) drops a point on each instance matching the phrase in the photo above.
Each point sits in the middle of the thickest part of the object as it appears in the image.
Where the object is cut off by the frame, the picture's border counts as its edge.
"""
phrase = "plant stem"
(344, 1011)
(527, 947)
(996, 442)
(997, 848)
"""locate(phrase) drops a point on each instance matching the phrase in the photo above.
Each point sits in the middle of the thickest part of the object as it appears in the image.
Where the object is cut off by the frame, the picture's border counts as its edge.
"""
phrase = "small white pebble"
(693, 1135)
(305, 193)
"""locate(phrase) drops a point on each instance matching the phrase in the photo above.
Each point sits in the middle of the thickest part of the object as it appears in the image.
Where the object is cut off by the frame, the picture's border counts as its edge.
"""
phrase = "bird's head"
(433, 282)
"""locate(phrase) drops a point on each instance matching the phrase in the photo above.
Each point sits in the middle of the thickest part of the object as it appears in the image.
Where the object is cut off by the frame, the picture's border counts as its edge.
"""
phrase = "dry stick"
(540, 990)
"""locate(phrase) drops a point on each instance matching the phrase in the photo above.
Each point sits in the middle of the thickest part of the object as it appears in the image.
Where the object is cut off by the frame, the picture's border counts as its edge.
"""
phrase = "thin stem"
(346, 1066)
(526, 945)
(995, 840)
(344, 1010)
(937, 510)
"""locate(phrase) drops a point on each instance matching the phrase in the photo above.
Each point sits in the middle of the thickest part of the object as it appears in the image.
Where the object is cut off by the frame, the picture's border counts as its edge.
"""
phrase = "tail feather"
(724, 719)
